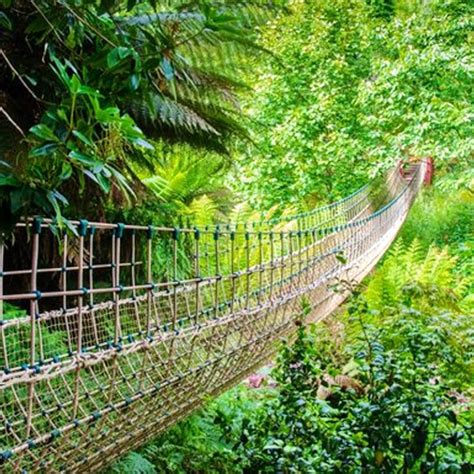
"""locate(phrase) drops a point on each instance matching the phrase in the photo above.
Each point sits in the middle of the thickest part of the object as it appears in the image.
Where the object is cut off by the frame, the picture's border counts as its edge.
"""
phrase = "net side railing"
(112, 335)
(362, 201)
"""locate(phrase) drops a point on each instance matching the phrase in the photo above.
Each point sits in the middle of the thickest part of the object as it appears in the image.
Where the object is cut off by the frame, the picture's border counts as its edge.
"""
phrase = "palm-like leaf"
(80, 67)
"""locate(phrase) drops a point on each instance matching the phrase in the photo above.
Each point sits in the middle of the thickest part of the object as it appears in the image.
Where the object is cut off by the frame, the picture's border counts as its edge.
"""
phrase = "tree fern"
(182, 175)
(72, 72)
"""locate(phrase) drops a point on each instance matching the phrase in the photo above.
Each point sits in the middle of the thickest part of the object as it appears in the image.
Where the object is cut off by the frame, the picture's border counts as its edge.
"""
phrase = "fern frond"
(203, 210)
(134, 463)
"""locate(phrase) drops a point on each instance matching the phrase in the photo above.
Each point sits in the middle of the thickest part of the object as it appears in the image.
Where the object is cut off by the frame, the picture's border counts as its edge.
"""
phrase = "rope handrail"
(231, 227)
(312, 212)
(362, 191)
(120, 330)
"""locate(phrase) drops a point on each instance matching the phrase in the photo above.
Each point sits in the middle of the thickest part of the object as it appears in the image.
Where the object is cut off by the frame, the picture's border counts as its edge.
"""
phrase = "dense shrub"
(387, 409)
(205, 442)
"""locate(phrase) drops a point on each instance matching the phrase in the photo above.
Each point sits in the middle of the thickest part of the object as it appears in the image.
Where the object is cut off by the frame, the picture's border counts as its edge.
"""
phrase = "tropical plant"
(418, 279)
(190, 181)
(206, 442)
(86, 85)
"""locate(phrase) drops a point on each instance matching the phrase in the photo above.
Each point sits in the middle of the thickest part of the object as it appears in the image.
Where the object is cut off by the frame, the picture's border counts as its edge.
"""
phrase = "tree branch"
(9, 118)
(25, 85)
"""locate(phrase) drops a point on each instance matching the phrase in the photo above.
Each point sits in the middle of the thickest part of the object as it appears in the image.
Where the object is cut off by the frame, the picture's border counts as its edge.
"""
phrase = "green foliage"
(418, 280)
(206, 442)
(86, 85)
(351, 93)
(135, 463)
(384, 9)
(176, 183)
(303, 106)
(386, 409)
(441, 217)
(187, 180)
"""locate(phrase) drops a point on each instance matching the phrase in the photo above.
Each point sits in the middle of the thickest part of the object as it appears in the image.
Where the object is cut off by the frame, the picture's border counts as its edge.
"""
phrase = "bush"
(387, 409)
(209, 441)
(441, 218)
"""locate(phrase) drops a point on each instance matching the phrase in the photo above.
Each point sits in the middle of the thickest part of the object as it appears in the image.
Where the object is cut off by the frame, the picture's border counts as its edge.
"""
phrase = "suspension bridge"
(113, 332)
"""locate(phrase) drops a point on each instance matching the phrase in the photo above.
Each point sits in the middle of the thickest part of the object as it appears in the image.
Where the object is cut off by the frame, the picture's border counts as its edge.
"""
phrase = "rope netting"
(109, 336)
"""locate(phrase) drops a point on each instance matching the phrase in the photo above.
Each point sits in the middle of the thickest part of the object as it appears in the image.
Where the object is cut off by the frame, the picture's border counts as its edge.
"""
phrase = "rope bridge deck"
(110, 334)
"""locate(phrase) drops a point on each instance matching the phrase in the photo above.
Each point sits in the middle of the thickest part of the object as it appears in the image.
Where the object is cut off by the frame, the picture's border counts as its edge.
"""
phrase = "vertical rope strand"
(33, 307)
